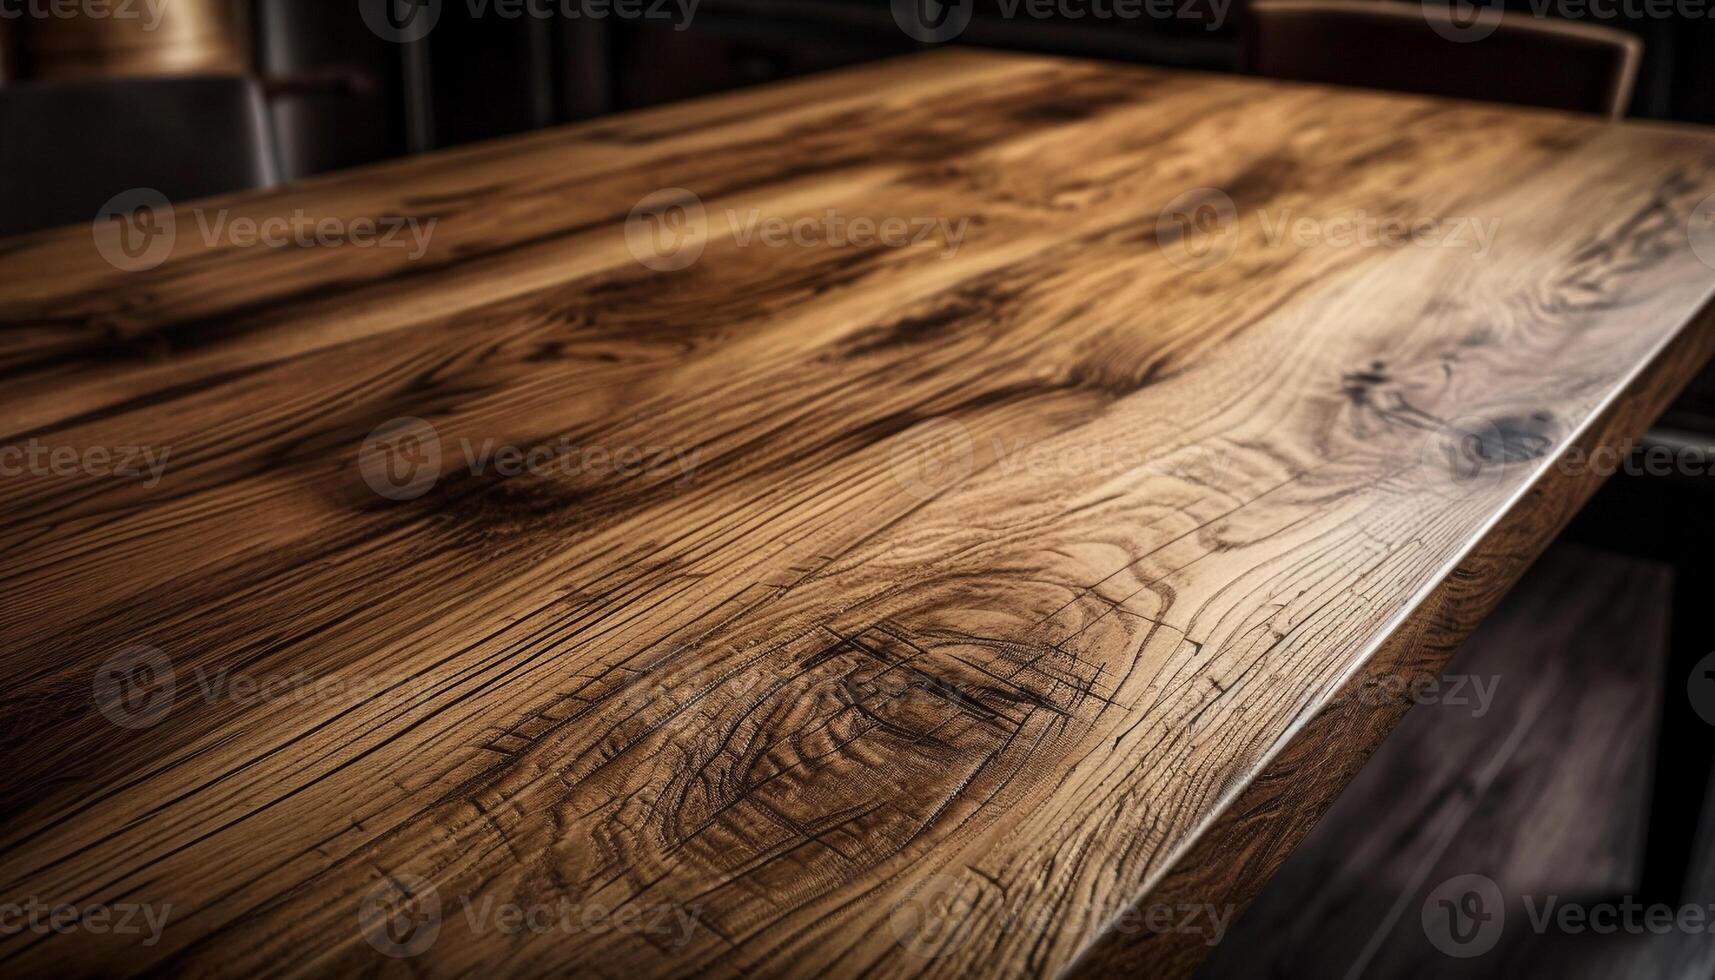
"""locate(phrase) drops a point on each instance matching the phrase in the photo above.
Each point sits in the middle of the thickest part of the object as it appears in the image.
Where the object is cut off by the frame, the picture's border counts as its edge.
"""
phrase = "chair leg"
(1685, 742)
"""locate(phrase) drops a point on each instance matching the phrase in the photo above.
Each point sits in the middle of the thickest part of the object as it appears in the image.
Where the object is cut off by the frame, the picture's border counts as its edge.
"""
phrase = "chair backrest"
(66, 148)
(1411, 47)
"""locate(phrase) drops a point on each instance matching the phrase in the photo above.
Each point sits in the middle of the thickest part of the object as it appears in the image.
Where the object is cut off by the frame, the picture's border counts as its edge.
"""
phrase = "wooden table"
(1002, 610)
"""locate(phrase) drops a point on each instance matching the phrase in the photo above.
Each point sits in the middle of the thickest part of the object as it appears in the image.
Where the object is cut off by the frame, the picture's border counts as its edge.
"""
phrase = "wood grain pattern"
(860, 719)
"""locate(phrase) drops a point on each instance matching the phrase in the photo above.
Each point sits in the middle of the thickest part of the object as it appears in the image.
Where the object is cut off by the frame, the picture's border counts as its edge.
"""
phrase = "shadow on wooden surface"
(1526, 768)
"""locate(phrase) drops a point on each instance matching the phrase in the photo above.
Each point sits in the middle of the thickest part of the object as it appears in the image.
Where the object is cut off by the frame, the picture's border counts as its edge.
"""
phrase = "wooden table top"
(996, 599)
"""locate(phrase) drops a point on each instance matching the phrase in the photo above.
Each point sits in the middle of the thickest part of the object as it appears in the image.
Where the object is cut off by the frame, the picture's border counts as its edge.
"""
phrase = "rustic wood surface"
(853, 709)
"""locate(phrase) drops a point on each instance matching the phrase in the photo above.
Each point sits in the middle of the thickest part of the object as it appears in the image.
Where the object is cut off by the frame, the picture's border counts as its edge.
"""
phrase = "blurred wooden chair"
(1410, 47)
(71, 146)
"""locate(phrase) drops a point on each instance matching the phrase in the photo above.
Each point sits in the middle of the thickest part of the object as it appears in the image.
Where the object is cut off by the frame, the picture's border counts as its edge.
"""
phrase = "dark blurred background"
(337, 94)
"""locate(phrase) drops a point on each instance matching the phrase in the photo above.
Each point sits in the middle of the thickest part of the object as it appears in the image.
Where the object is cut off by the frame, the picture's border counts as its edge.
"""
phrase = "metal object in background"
(192, 37)
(419, 93)
(336, 90)
(110, 140)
